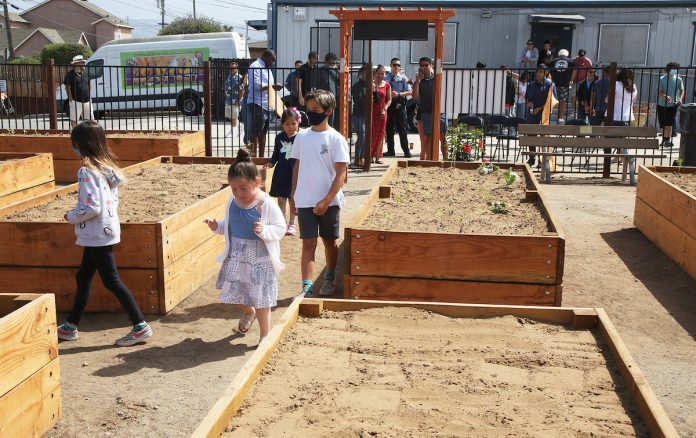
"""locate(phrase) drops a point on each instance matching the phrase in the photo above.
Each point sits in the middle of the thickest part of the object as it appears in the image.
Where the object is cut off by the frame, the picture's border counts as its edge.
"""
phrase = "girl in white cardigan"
(253, 227)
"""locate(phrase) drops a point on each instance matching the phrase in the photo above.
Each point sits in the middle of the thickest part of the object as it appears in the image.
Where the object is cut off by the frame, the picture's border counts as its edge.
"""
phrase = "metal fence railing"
(171, 98)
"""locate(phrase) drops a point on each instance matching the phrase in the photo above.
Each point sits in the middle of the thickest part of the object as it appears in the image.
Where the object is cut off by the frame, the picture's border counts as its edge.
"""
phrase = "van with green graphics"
(157, 72)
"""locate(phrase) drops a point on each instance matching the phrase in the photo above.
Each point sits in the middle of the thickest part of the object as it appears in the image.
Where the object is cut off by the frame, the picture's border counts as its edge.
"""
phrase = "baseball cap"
(582, 52)
(563, 52)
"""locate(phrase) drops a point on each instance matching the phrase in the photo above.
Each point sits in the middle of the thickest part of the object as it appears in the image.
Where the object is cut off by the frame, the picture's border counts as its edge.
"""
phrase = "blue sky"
(145, 15)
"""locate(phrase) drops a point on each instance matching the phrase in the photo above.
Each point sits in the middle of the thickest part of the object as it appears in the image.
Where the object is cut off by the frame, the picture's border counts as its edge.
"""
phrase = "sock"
(140, 326)
(330, 275)
(69, 326)
(307, 285)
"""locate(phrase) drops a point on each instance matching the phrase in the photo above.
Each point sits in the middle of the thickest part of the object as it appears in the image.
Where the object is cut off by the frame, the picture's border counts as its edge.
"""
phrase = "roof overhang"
(556, 18)
(258, 24)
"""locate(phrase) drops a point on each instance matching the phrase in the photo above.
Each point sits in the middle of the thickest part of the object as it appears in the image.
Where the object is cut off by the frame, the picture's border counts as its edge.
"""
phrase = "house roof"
(16, 18)
(53, 35)
(115, 22)
(103, 13)
(488, 4)
(17, 36)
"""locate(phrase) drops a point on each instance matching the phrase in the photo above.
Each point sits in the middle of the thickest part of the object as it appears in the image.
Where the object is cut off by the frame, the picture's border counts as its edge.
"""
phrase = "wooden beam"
(654, 415)
(432, 15)
(437, 87)
(220, 416)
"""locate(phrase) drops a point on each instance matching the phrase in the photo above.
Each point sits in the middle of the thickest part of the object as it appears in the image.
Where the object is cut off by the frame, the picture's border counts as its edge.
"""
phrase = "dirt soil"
(149, 195)
(685, 181)
(429, 199)
(404, 372)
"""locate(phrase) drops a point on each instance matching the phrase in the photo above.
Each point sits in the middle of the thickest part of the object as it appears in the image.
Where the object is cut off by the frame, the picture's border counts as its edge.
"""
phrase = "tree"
(188, 24)
(63, 53)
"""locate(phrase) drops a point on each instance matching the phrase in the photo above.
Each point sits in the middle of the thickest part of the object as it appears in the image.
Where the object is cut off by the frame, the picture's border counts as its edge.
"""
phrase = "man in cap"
(561, 71)
(582, 65)
(77, 84)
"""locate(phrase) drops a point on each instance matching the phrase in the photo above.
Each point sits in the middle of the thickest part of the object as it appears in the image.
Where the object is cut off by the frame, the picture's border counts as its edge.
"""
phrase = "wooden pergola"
(348, 17)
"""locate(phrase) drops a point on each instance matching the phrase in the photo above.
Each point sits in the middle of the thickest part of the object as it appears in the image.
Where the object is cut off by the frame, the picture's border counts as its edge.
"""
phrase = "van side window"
(95, 68)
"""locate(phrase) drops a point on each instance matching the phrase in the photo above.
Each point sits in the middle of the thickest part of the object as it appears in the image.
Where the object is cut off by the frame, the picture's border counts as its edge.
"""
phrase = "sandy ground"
(169, 384)
(400, 372)
(610, 264)
(685, 181)
(431, 199)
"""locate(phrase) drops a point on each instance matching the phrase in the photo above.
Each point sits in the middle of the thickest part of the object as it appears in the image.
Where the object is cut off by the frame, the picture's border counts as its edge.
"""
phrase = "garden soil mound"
(149, 195)
(404, 372)
(435, 200)
(685, 181)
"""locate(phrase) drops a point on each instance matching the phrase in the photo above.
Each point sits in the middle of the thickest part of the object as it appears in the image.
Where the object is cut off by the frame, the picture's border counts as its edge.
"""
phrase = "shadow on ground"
(667, 282)
(189, 353)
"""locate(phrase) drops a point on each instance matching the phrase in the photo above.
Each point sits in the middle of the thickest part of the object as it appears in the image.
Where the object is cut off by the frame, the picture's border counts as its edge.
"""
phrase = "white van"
(157, 72)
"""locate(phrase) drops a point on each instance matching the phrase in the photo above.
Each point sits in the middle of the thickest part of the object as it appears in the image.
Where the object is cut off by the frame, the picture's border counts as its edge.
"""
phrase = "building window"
(626, 44)
(326, 37)
(427, 48)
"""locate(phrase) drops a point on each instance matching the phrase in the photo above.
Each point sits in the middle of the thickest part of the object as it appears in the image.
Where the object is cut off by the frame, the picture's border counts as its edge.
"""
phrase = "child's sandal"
(245, 322)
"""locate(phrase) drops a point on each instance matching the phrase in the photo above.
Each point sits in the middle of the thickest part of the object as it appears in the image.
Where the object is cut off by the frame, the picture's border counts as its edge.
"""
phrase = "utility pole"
(8, 30)
(194, 9)
(160, 5)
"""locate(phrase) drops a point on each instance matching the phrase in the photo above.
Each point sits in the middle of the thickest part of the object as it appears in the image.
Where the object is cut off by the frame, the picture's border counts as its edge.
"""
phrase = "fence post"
(609, 119)
(51, 94)
(207, 110)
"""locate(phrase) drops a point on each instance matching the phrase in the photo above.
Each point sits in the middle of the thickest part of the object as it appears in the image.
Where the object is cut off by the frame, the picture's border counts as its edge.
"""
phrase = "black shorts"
(259, 120)
(666, 115)
(326, 226)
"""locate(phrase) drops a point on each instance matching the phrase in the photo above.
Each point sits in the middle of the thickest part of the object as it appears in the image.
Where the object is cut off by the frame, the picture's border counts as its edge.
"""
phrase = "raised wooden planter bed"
(450, 267)
(639, 397)
(24, 175)
(130, 147)
(162, 262)
(30, 401)
(666, 215)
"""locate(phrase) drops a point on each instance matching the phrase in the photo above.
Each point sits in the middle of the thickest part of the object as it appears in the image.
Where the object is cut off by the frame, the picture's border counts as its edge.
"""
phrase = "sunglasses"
(530, 44)
(396, 65)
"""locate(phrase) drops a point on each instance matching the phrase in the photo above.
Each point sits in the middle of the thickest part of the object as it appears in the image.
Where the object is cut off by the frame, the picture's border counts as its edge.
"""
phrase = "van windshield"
(95, 68)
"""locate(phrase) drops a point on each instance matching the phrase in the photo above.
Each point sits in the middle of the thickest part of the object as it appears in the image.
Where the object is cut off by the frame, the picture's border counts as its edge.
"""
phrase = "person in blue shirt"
(537, 98)
(234, 92)
(396, 115)
(598, 100)
(670, 94)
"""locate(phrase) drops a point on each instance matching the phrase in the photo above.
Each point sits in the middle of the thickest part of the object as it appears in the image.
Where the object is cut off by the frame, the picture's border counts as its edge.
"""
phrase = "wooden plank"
(523, 259)
(449, 291)
(220, 416)
(20, 172)
(33, 407)
(654, 416)
(673, 241)
(189, 272)
(676, 205)
(27, 341)
(52, 244)
(144, 283)
(581, 154)
(21, 195)
(385, 192)
(11, 302)
(659, 169)
(590, 142)
(602, 131)
(558, 315)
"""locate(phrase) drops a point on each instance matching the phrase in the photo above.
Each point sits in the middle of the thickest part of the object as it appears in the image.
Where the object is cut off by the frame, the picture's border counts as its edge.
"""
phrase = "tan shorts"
(231, 112)
(81, 109)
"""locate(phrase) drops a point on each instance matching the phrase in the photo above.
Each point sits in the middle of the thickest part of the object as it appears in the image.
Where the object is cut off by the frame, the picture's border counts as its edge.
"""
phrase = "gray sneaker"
(328, 288)
(135, 337)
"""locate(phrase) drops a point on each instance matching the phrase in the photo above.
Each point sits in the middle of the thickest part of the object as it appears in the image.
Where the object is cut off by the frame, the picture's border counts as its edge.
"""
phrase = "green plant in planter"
(680, 161)
(497, 207)
(510, 176)
(486, 167)
(464, 144)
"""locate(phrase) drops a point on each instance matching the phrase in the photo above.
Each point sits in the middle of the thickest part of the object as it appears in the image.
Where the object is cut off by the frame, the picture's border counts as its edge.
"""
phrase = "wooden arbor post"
(347, 18)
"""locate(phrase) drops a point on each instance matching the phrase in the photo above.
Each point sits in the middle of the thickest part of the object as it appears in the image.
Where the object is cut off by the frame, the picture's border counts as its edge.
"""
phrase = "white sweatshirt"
(96, 216)
(273, 231)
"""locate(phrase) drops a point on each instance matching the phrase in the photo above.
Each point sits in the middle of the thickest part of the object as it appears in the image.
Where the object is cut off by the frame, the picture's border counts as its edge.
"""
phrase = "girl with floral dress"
(253, 227)
(380, 105)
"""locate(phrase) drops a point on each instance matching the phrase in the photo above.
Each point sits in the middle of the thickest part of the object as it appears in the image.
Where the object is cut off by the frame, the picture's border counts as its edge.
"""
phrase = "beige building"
(62, 21)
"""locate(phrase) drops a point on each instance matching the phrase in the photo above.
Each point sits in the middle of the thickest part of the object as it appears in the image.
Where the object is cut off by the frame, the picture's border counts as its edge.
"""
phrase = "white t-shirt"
(318, 153)
(521, 98)
(623, 103)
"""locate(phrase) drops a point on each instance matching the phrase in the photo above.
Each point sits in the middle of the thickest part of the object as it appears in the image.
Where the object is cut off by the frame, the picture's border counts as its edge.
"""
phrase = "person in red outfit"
(380, 105)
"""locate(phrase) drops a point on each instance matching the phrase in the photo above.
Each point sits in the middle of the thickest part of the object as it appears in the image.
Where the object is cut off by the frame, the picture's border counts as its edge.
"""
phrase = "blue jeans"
(521, 110)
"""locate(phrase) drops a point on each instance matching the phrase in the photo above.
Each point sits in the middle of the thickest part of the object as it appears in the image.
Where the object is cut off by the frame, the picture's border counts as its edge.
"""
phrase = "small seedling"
(487, 168)
(510, 176)
(680, 161)
(398, 199)
(497, 207)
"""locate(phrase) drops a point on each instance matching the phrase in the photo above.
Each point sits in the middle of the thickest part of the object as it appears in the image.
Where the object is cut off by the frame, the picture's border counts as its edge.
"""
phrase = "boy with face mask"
(322, 158)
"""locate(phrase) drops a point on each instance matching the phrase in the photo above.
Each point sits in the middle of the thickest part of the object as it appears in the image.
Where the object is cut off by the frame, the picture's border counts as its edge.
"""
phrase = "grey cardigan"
(96, 217)
(532, 59)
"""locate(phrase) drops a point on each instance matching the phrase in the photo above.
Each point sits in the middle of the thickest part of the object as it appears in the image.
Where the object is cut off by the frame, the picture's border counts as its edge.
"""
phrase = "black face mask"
(316, 118)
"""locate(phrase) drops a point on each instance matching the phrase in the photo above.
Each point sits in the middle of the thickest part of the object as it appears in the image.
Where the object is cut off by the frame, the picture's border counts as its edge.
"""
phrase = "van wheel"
(190, 104)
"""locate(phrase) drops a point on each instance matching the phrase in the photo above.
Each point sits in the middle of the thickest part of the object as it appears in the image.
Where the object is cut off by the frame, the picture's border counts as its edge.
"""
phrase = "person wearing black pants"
(98, 229)
(396, 113)
(101, 259)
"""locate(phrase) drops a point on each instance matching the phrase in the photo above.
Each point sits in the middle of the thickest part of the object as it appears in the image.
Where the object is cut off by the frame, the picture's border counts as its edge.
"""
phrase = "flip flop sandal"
(245, 322)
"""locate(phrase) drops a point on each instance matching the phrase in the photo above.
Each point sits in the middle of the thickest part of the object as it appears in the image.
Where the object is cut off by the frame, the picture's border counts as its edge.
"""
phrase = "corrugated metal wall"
(499, 40)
